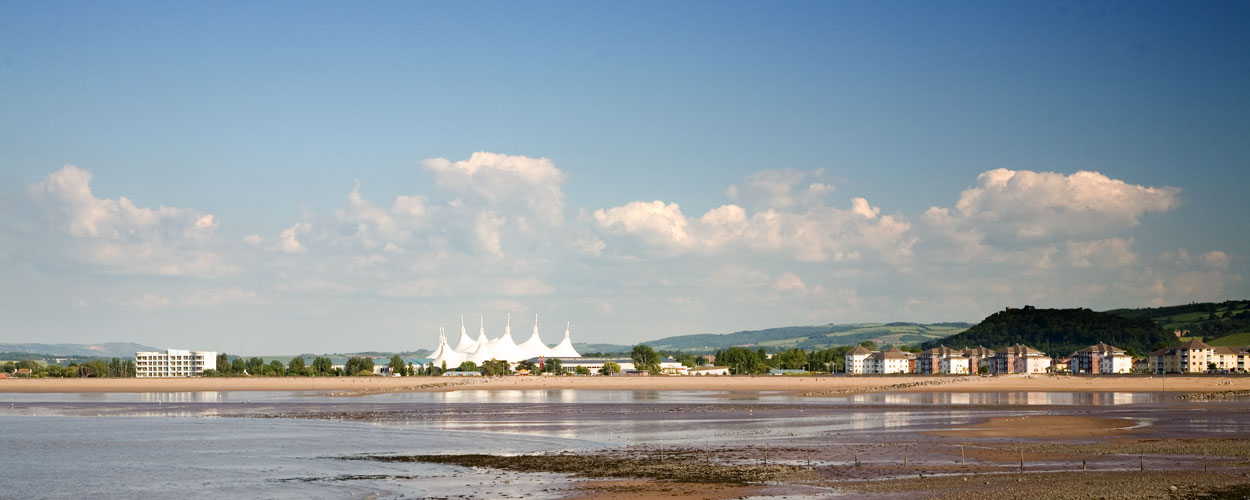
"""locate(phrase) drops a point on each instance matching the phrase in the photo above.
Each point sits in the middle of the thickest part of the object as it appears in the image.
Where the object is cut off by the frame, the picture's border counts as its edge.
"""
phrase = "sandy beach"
(812, 386)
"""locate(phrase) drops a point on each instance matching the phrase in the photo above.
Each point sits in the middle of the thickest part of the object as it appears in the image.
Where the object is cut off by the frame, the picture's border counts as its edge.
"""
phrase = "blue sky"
(646, 169)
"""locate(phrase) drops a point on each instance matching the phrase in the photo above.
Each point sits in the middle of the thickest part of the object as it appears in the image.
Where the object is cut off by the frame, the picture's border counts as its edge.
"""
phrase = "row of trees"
(96, 368)
(321, 366)
(744, 361)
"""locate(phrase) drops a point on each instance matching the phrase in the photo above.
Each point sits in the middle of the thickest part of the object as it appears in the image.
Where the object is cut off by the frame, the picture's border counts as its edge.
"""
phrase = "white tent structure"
(482, 354)
(466, 344)
(445, 354)
(534, 347)
(504, 348)
(565, 348)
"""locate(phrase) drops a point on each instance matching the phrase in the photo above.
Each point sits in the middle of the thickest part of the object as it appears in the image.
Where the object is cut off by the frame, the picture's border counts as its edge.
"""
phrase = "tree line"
(1060, 332)
(96, 368)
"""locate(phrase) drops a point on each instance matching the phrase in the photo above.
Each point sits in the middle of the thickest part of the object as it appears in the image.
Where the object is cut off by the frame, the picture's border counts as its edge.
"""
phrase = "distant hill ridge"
(106, 349)
(1060, 332)
(812, 337)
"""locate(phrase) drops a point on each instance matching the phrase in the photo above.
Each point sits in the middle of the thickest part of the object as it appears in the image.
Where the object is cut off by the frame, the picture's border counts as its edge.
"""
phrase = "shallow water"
(163, 457)
(602, 396)
(298, 444)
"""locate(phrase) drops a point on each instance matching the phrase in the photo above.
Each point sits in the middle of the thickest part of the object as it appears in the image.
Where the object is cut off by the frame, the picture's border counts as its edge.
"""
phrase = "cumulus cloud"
(779, 189)
(118, 236)
(1027, 205)
(817, 233)
(1110, 252)
(503, 180)
(789, 282)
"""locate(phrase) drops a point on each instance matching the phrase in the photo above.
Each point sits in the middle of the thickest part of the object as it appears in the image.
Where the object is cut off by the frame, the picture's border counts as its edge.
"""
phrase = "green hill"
(1060, 332)
(1234, 340)
(811, 337)
(1210, 320)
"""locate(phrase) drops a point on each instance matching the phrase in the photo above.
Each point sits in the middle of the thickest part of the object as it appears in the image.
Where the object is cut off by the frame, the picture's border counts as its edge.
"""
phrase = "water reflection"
(1030, 398)
(540, 396)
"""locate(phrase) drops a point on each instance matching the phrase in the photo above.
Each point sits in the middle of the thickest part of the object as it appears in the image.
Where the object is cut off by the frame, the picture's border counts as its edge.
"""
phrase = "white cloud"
(818, 233)
(789, 282)
(1027, 205)
(503, 180)
(1106, 253)
(779, 189)
(1216, 260)
(118, 236)
(657, 224)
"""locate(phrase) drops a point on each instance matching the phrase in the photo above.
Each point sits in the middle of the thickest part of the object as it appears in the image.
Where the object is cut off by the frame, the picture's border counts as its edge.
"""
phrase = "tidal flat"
(627, 444)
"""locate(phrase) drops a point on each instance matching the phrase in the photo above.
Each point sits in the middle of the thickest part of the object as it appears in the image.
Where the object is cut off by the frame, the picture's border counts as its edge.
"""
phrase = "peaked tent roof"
(534, 347)
(504, 348)
(565, 348)
(482, 354)
(466, 344)
(444, 353)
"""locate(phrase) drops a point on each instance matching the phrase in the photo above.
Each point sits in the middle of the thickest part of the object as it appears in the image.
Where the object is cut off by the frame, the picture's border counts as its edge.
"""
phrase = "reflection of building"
(1101, 358)
(1019, 359)
(1195, 356)
(893, 360)
(174, 363)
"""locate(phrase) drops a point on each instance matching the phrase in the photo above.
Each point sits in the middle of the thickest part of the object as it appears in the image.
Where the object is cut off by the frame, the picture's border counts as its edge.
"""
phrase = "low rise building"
(942, 359)
(1196, 356)
(1019, 358)
(893, 360)
(174, 363)
(857, 360)
(1100, 358)
(708, 370)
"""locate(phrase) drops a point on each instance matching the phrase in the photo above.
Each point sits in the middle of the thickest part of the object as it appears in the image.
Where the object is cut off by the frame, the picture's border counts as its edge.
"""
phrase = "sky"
(297, 176)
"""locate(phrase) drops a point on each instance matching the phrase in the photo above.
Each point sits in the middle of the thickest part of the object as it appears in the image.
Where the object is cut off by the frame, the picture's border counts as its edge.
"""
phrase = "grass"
(1236, 339)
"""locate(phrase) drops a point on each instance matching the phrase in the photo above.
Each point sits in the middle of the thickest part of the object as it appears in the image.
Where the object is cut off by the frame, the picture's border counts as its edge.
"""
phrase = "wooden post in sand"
(962, 458)
(1021, 459)
(904, 456)
(1082, 465)
(1141, 463)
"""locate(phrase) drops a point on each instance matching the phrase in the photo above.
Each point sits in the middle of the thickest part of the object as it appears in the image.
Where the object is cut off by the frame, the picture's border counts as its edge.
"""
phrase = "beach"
(815, 386)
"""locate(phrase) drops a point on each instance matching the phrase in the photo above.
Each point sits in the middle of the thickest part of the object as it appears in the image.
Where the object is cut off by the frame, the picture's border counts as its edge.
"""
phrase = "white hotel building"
(174, 363)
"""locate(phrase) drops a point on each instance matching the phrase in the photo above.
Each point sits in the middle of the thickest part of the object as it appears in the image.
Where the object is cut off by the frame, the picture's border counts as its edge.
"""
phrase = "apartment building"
(942, 359)
(1019, 359)
(892, 360)
(174, 363)
(1196, 356)
(1101, 358)
(857, 360)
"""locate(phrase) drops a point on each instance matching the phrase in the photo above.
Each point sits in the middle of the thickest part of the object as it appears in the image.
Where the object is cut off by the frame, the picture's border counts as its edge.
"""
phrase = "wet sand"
(718, 448)
(811, 386)
(1043, 426)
